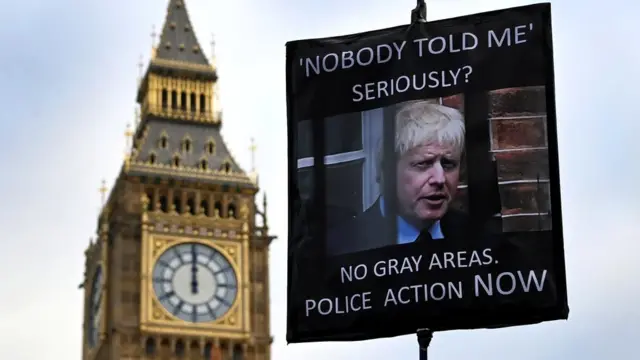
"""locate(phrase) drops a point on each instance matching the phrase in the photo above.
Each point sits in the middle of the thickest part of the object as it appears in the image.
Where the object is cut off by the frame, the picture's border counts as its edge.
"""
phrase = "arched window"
(203, 103)
(192, 206)
(186, 145)
(177, 204)
(210, 147)
(237, 353)
(208, 348)
(149, 194)
(204, 164)
(152, 158)
(165, 99)
(193, 102)
(176, 161)
(164, 141)
(174, 99)
(217, 208)
(150, 346)
(226, 166)
(179, 348)
(183, 101)
(163, 203)
(204, 205)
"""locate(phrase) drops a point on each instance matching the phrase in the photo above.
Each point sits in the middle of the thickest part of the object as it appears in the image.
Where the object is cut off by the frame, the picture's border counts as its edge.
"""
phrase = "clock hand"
(194, 270)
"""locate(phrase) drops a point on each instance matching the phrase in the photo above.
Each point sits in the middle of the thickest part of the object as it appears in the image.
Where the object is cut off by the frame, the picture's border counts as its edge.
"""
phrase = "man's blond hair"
(424, 122)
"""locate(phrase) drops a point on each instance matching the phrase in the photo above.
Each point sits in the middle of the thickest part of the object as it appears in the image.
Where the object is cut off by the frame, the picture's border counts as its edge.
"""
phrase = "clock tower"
(179, 266)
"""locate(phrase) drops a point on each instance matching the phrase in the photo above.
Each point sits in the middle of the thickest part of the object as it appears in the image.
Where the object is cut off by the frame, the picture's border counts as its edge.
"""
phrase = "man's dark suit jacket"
(370, 230)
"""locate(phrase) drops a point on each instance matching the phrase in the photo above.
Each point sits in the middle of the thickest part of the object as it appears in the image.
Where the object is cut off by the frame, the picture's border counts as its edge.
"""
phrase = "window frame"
(369, 119)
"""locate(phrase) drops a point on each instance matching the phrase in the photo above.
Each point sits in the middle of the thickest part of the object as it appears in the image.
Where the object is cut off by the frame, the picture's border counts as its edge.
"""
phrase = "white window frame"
(371, 125)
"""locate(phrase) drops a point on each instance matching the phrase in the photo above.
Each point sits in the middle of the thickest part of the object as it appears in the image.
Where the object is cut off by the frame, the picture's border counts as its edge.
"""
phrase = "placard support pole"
(424, 340)
(419, 14)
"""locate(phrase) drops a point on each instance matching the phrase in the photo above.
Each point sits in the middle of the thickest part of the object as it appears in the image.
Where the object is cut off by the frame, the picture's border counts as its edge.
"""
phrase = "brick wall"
(518, 135)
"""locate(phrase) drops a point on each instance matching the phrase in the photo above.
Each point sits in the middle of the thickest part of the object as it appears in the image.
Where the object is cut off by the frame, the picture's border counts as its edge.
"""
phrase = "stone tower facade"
(179, 268)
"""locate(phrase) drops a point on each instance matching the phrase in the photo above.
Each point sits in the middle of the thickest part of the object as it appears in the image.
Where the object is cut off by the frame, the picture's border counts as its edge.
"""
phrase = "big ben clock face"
(95, 297)
(195, 282)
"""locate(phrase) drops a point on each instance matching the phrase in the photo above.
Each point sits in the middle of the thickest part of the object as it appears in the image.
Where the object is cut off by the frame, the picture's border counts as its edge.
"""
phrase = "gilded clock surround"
(154, 317)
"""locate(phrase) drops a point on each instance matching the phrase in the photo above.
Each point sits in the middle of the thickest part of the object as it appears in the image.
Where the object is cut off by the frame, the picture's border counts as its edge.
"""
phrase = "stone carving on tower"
(179, 268)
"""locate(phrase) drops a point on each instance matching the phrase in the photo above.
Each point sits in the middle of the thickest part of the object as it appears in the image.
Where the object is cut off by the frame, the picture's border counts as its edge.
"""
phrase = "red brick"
(521, 198)
(518, 133)
(454, 101)
(523, 165)
(517, 102)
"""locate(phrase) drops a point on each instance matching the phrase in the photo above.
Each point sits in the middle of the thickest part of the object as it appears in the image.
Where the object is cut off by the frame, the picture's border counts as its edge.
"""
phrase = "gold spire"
(253, 149)
(154, 36)
(103, 191)
(128, 133)
(264, 209)
(140, 69)
(213, 51)
(253, 175)
(136, 117)
(215, 101)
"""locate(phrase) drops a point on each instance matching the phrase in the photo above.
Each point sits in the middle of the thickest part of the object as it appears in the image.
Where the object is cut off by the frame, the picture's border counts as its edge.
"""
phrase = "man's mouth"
(435, 199)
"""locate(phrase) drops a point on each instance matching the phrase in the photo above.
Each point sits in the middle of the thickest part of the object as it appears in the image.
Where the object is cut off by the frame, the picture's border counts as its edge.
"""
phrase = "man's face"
(427, 180)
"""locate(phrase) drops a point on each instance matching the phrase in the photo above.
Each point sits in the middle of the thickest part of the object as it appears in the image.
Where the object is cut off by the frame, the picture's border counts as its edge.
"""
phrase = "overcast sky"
(68, 73)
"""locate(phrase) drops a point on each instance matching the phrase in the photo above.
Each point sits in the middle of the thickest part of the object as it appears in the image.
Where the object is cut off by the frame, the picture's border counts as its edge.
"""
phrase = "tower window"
(193, 102)
(183, 101)
(174, 99)
(217, 208)
(210, 147)
(186, 145)
(164, 142)
(149, 194)
(192, 206)
(208, 350)
(204, 205)
(177, 205)
(203, 103)
(165, 98)
(237, 353)
(180, 348)
(152, 158)
(226, 166)
(204, 164)
(150, 346)
(163, 203)
(176, 161)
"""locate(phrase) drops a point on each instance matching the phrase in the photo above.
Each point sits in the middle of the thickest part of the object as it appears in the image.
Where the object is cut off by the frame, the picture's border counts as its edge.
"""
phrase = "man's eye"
(422, 164)
(449, 165)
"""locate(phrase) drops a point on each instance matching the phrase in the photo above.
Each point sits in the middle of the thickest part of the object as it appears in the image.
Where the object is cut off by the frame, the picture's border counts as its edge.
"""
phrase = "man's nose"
(436, 175)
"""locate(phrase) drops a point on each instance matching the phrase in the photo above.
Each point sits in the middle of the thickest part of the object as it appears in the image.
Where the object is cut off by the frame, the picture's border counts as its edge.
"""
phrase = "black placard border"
(473, 101)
